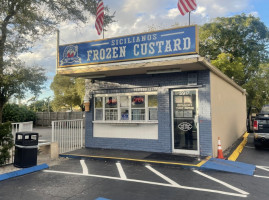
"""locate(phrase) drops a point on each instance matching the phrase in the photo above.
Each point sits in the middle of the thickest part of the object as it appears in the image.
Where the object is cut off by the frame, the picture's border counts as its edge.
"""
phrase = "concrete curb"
(239, 149)
(23, 172)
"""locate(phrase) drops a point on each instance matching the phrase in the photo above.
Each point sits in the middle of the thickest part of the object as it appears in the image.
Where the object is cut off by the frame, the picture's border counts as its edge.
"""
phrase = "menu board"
(184, 106)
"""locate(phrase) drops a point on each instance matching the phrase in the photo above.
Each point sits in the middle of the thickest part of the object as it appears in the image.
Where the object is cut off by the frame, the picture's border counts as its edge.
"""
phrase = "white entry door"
(185, 127)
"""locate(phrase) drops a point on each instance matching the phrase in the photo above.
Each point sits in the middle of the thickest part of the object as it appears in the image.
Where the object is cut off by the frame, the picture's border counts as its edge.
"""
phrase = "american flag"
(186, 6)
(99, 17)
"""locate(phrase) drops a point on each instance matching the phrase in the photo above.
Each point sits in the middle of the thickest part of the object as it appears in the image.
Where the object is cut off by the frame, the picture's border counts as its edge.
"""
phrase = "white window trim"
(129, 121)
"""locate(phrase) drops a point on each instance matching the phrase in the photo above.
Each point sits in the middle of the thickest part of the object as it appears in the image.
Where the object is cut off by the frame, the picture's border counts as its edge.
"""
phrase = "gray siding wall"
(147, 83)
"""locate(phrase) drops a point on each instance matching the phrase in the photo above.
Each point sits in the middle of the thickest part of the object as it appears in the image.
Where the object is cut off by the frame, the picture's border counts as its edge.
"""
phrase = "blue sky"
(262, 7)
(136, 16)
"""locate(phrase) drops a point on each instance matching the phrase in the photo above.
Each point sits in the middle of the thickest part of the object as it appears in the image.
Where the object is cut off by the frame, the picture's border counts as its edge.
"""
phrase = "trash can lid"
(26, 133)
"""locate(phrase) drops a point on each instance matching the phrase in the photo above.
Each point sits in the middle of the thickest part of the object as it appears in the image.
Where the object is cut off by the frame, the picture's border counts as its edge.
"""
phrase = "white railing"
(21, 126)
(68, 134)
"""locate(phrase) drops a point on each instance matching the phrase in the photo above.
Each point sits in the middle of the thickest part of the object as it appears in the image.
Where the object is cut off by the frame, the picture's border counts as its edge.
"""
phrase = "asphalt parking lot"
(88, 179)
(97, 179)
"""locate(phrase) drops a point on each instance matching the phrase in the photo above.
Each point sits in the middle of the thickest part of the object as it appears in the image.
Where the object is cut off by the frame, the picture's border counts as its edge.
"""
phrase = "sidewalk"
(41, 158)
(44, 133)
(163, 159)
(137, 157)
(168, 159)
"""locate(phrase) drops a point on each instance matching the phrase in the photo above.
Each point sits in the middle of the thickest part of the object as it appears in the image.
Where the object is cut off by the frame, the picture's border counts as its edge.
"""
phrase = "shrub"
(6, 142)
(16, 113)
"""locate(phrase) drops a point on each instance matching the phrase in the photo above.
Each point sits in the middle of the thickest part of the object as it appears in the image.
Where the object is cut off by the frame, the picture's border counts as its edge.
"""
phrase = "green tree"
(80, 89)
(258, 87)
(43, 105)
(242, 36)
(68, 92)
(17, 79)
(22, 22)
(238, 46)
(231, 66)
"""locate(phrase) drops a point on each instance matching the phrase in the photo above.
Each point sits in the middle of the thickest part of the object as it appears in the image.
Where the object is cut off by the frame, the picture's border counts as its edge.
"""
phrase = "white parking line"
(85, 170)
(121, 172)
(265, 168)
(162, 176)
(250, 147)
(261, 176)
(221, 182)
(152, 183)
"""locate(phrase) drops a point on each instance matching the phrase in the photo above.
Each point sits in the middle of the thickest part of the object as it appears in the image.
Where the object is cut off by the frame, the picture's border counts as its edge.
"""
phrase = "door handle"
(196, 120)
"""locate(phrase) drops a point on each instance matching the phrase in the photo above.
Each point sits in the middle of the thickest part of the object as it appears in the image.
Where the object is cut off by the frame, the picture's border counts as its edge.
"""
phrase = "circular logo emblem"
(70, 55)
(185, 126)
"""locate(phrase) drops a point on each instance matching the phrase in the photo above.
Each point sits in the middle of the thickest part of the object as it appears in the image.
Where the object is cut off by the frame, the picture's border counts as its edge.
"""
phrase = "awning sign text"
(158, 44)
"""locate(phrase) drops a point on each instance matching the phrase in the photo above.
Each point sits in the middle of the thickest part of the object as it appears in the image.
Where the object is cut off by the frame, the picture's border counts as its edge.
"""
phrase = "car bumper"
(261, 139)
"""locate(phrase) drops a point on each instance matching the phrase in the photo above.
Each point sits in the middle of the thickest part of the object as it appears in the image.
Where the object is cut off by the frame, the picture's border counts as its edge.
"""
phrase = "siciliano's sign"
(172, 42)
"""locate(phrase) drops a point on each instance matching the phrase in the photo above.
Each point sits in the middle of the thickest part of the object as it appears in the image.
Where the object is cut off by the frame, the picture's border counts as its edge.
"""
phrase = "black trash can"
(26, 145)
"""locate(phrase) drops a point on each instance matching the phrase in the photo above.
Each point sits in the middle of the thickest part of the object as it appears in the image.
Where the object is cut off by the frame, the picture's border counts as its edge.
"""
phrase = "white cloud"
(173, 13)
(222, 8)
(201, 10)
(152, 17)
(142, 6)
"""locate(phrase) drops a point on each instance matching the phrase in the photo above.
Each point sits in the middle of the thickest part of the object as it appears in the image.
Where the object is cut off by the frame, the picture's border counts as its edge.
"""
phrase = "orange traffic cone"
(220, 154)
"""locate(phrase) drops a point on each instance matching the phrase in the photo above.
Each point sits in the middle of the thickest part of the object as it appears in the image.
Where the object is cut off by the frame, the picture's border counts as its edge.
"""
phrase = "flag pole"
(104, 26)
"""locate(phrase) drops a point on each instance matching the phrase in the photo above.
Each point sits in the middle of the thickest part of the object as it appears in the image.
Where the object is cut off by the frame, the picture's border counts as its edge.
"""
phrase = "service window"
(138, 107)
(124, 107)
(153, 107)
(142, 107)
(98, 108)
(111, 110)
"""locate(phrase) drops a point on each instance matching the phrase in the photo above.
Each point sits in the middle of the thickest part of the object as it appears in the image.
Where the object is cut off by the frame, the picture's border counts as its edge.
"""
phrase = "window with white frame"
(98, 105)
(111, 108)
(153, 107)
(140, 107)
(124, 107)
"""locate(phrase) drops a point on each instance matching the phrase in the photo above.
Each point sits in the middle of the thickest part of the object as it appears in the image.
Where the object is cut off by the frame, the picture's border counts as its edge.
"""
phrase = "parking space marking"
(263, 168)
(261, 176)
(152, 183)
(121, 172)
(162, 176)
(221, 182)
(85, 170)
(249, 147)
